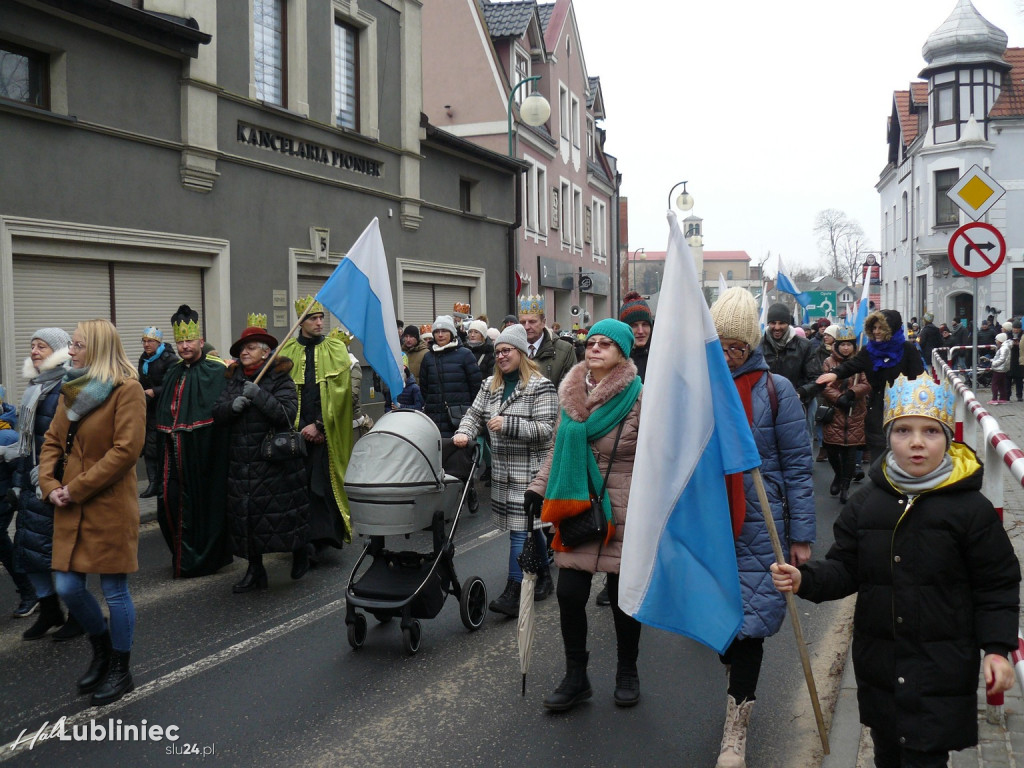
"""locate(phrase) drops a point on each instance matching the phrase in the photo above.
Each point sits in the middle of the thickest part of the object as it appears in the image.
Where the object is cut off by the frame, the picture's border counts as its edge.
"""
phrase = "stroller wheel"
(411, 637)
(357, 632)
(473, 603)
(383, 618)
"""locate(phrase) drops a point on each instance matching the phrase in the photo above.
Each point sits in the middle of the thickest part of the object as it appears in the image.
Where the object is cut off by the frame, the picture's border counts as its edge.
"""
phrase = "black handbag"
(591, 524)
(283, 446)
(62, 462)
(824, 414)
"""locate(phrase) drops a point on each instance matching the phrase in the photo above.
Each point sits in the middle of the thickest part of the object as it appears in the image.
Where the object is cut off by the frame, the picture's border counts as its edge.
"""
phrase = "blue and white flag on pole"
(862, 312)
(358, 293)
(678, 569)
(784, 284)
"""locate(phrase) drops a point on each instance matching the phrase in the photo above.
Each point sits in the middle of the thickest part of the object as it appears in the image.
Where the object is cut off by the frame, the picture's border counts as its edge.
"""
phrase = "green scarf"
(83, 394)
(574, 469)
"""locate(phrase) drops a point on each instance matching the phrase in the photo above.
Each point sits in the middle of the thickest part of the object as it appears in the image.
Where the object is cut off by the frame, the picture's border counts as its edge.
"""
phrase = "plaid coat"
(519, 449)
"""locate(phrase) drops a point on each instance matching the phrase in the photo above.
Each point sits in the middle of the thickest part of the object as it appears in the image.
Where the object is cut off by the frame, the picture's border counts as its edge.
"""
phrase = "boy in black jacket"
(936, 579)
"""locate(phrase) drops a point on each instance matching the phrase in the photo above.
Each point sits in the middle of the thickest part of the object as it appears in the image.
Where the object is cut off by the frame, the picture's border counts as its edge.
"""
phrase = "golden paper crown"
(189, 331)
(341, 333)
(255, 320)
(919, 397)
(461, 308)
(531, 305)
(426, 329)
(315, 307)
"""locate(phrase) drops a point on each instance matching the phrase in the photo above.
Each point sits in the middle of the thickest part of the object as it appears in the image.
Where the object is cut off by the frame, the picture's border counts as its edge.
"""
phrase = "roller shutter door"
(446, 296)
(418, 304)
(148, 294)
(54, 293)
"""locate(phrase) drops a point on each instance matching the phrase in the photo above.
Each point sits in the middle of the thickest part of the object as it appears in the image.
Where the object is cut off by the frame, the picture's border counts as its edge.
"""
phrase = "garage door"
(148, 294)
(422, 302)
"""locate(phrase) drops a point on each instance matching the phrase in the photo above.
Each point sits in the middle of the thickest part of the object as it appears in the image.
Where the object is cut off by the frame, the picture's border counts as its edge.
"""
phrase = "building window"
(577, 217)
(536, 191)
(574, 116)
(24, 76)
(904, 222)
(522, 73)
(946, 212)
(565, 213)
(944, 105)
(728, 275)
(269, 50)
(590, 137)
(600, 232)
(563, 111)
(346, 76)
(467, 193)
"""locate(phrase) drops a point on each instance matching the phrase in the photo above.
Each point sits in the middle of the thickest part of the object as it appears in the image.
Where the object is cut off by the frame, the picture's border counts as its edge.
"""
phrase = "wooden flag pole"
(273, 354)
(780, 558)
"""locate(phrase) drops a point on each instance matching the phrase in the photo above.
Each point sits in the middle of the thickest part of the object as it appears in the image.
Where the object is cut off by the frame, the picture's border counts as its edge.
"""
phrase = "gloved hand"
(532, 502)
(250, 389)
(12, 497)
(33, 475)
(846, 401)
(808, 392)
(239, 404)
(9, 452)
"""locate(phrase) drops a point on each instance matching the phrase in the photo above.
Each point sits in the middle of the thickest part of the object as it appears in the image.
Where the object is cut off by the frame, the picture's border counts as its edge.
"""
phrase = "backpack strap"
(773, 397)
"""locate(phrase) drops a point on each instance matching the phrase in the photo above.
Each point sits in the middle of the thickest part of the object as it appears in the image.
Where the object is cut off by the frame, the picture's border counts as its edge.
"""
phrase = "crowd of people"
(247, 457)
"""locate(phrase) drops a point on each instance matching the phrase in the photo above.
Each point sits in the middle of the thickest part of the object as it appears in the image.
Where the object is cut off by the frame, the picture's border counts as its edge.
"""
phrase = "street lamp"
(685, 200)
(638, 253)
(534, 110)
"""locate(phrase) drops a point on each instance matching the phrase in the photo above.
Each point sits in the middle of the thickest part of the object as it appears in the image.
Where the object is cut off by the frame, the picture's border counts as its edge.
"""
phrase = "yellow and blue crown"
(256, 320)
(919, 397)
(315, 307)
(531, 305)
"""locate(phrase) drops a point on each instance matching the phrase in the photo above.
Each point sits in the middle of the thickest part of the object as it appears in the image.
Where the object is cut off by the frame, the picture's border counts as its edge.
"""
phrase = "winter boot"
(627, 685)
(118, 681)
(70, 630)
(544, 587)
(472, 499)
(508, 601)
(50, 615)
(833, 489)
(602, 597)
(100, 664)
(844, 491)
(734, 736)
(575, 686)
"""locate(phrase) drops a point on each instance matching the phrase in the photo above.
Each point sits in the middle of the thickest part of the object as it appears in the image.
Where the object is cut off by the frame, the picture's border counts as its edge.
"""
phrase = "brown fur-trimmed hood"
(877, 319)
(572, 393)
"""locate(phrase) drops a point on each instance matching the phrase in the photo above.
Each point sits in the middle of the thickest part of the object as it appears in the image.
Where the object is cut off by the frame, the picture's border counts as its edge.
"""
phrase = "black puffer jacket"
(154, 377)
(268, 509)
(455, 371)
(797, 360)
(930, 338)
(484, 355)
(33, 537)
(935, 580)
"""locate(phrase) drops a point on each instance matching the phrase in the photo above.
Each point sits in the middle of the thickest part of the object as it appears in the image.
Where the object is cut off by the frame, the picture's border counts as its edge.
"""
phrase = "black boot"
(844, 491)
(70, 630)
(603, 597)
(508, 601)
(149, 492)
(100, 664)
(544, 586)
(118, 681)
(300, 561)
(50, 615)
(472, 499)
(627, 685)
(575, 686)
(255, 578)
(833, 489)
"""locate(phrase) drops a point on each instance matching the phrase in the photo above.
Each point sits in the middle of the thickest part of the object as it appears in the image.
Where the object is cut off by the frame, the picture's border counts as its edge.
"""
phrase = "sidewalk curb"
(844, 736)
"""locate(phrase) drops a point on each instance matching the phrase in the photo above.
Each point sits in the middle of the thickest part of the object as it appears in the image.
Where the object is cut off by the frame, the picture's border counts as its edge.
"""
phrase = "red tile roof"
(1011, 97)
(726, 256)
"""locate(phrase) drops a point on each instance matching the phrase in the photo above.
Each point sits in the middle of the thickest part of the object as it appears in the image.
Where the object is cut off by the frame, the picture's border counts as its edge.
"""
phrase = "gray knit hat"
(735, 316)
(55, 338)
(444, 323)
(516, 336)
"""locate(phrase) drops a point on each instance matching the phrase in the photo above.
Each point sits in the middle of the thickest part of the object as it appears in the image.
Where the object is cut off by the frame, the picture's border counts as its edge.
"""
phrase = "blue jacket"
(454, 370)
(782, 441)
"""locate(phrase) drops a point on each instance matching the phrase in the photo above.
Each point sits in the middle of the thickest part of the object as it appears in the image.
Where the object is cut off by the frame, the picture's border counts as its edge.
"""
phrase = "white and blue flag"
(358, 293)
(678, 569)
(862, 312)
(784, 284)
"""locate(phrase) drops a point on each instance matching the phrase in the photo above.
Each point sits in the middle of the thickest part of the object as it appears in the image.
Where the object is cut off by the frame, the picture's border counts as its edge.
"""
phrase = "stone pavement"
(1001, 743)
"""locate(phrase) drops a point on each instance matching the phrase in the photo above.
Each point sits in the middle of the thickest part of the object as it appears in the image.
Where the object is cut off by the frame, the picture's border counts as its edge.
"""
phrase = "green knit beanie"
(615, 330)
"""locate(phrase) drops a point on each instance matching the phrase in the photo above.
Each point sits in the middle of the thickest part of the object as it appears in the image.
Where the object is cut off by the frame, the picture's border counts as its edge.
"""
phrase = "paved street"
(270, 679)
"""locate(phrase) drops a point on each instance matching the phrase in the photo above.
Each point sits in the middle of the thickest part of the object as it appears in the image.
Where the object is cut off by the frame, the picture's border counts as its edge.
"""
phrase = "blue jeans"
(517, 540)
(81, 603)
(42, 583)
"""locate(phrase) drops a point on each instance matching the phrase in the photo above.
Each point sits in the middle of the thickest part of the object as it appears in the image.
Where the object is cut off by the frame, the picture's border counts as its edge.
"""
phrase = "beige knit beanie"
(735, 316)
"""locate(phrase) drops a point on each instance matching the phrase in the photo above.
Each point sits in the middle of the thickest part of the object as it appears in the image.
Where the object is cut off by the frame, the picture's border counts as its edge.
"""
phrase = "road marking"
(16, 747)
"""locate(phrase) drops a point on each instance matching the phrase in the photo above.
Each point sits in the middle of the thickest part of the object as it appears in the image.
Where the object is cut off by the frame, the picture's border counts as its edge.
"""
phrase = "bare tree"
(840, 240)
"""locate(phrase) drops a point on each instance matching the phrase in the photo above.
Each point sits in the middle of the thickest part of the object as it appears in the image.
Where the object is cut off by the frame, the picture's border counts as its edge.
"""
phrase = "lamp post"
(636, 255)
(534, 110)
(685, 200)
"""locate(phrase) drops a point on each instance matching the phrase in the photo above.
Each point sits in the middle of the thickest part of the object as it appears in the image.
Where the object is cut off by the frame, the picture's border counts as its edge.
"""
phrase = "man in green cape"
(195, 466)
(321, 370)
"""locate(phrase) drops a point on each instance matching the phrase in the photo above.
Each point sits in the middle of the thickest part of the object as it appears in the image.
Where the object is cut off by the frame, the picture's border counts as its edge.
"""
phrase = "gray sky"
(771, 110)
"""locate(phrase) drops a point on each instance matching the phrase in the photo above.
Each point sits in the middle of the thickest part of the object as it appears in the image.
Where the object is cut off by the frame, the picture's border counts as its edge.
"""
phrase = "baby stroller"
(396, 486)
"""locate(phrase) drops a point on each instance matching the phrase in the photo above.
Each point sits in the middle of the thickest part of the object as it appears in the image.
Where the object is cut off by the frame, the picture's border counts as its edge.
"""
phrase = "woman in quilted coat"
(518, 408)
(780, 432)
(268, 508)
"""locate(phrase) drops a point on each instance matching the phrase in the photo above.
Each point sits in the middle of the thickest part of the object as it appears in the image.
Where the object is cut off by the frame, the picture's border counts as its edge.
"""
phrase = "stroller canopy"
(402, 449)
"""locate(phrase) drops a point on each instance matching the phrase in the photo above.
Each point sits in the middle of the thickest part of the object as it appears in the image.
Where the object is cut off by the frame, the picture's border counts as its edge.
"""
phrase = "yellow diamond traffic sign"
(975, 193)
